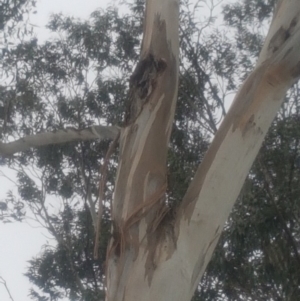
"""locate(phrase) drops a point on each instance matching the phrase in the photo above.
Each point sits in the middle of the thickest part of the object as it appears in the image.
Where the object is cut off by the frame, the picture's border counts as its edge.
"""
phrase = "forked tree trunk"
(154, 255)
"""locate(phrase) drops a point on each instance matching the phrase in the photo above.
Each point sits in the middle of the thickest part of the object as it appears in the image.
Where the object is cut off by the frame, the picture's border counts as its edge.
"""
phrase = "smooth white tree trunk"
(157, 256)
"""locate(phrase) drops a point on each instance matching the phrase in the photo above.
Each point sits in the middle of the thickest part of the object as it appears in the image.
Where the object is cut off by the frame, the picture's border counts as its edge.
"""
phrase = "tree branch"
(2, 281)
(60, 136)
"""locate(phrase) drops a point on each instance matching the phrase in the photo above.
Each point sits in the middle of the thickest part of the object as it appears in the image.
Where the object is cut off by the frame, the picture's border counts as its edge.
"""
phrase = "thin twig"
(2, 281)
(87, 185)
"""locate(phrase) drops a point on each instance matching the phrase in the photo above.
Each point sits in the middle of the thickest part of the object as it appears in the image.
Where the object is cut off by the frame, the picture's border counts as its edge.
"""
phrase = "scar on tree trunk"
(141, 84)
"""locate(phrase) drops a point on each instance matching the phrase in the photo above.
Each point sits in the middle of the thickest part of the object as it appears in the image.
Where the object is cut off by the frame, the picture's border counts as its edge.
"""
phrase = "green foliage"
(58, 271)
(12, 12)
(14, 22)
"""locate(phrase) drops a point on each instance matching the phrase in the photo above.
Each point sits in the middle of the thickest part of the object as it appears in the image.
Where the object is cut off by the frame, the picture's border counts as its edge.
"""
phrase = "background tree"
(82, 77)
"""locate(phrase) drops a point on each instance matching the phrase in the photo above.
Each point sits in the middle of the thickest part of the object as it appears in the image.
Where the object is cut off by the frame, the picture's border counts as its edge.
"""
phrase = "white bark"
(138, 204)
(60, 136)
(155, 258)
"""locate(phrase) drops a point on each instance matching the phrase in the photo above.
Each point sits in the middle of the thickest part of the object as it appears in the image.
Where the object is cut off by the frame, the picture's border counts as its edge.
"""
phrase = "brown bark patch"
(161, 245)
(142, 82)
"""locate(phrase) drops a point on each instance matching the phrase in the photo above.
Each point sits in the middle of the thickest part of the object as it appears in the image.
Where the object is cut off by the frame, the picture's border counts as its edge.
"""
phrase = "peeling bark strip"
(153, 256)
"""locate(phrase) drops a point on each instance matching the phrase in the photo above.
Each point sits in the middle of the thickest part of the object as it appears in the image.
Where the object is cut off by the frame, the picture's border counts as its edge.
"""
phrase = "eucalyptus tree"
(150, 229)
